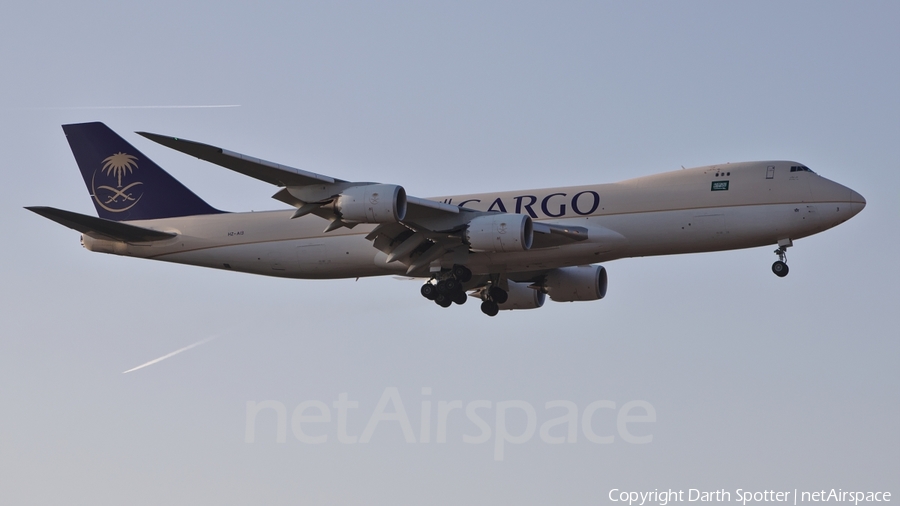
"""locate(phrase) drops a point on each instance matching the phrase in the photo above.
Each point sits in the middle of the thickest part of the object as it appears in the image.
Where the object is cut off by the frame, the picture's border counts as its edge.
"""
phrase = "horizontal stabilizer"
(270, 172)
(98, 226)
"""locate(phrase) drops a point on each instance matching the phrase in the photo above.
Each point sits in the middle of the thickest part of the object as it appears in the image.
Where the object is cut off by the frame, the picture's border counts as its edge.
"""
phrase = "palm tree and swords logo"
(121, 198)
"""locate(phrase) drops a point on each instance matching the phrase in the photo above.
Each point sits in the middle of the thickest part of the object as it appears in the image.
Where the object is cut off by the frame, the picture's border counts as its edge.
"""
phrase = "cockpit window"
(800, 168)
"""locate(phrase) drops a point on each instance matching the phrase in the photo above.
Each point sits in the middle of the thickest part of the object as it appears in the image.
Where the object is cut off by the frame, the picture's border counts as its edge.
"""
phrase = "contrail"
(131, 107)
(176, 352)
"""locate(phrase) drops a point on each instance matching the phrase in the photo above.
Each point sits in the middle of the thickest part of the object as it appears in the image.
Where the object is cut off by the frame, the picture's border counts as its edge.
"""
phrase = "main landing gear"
(493, 297)
(448, 289)
(780, 267)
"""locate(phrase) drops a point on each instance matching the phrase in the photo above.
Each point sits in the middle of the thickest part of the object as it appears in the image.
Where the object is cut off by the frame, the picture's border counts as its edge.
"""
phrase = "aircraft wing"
(427, 230)
(289, 177)
(270, 172)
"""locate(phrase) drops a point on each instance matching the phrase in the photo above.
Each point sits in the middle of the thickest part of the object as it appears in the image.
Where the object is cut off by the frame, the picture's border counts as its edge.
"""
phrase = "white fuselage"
(712, 208)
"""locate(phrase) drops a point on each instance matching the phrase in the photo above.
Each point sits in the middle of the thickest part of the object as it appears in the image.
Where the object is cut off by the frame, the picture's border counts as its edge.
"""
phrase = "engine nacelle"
(500, 233)
(570, 284)
(522, 297)
(374, 203)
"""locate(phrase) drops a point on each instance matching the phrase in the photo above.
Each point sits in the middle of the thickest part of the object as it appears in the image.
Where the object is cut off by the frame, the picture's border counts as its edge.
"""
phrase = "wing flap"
(109, 229)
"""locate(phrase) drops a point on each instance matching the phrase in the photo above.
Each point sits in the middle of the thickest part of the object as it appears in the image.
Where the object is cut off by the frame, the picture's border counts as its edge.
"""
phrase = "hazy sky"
(756, 382)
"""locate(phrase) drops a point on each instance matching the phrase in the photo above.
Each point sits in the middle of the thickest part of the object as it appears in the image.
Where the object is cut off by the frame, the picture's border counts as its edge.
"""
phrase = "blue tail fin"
(124, 184)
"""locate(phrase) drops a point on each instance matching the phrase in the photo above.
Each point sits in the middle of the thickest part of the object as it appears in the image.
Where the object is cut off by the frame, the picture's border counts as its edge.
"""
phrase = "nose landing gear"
(780, 267)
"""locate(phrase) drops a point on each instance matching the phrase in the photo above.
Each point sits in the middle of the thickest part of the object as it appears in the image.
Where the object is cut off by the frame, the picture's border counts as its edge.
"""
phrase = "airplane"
(512, 250)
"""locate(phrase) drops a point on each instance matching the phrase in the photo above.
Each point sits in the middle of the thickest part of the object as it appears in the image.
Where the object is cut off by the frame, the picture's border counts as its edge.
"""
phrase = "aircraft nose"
(857, 202)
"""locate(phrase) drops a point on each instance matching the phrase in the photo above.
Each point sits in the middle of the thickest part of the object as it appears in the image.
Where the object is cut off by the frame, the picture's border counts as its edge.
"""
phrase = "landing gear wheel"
(490, 308)
(443, 300)
(442, 287)
(780, 269)
(451, 285)
(498, 294)
(462, 273)
(428, 291)
(460, 297)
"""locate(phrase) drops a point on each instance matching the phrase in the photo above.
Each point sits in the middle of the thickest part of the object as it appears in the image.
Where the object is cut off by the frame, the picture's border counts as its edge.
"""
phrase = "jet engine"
(570, 284)
(501, 232)
(522, 297)
(374, 203)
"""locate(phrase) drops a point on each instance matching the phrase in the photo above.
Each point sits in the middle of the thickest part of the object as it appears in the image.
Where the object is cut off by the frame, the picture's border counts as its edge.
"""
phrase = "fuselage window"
(800, 168)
